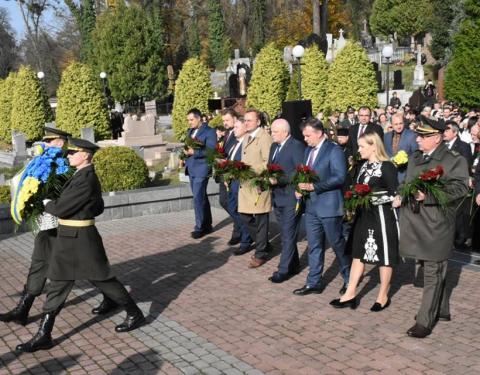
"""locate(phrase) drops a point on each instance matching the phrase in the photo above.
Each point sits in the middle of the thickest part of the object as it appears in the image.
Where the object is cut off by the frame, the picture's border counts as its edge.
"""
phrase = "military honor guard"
(427, 225)
(77, 251)
(42, 246)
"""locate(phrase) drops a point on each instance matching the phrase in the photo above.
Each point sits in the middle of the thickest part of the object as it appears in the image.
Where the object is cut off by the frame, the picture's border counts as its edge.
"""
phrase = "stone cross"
(151, 108)
(88, 134)
(18, 142)
(365, 25)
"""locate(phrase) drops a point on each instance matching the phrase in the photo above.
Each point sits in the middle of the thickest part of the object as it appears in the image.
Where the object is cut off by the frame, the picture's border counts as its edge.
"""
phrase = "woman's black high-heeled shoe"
(377, 307)
(352, 303)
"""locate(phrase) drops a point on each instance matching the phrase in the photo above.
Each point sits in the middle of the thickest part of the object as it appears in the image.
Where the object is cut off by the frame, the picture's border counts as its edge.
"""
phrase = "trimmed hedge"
(7, 86)
(269, 84)
(193, 88)
(314, 78)
(120, 168)
(81, 103)
(30, 107)
(5, 194)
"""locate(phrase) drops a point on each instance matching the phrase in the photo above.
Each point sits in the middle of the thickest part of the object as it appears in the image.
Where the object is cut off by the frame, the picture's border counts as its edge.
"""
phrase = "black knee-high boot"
(134, 318)
(20, 313)
(43, 338)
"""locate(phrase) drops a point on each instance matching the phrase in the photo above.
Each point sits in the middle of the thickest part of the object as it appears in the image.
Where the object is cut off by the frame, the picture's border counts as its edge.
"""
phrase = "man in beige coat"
(254, 209)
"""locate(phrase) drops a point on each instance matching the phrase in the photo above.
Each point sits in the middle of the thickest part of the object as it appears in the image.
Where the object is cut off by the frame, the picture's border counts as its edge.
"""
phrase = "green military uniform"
(428, 235)
(42, 245)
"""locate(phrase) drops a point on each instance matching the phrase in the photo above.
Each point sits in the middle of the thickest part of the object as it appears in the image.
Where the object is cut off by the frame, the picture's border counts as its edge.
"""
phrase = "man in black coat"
(41, 247)
(78, 251)
(363, 126)
(288, 153)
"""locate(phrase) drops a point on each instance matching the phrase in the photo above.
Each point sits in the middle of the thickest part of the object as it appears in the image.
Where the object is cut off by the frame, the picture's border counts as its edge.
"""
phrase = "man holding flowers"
(436, 180)
(324, 204)
(32, 186)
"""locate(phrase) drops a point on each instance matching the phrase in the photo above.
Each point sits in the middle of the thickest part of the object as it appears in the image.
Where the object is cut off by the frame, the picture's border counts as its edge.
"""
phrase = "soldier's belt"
(76, 223)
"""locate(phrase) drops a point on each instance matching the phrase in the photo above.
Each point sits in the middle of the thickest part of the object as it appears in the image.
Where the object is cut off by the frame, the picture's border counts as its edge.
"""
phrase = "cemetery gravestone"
(88, 134)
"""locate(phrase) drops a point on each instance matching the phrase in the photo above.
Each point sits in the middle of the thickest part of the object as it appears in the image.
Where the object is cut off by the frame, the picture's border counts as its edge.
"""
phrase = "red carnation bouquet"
(262, 181)
(215, 155)
(429, 183)
(359, 196)
(304, 174)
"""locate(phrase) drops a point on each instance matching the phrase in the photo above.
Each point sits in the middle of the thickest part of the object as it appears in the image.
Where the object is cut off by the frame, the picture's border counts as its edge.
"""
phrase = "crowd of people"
(358, 149)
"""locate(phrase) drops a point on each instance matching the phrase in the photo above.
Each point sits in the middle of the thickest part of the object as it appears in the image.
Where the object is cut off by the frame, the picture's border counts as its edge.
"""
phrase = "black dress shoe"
(378, 307)
(418, 331)
(352, 303)
(105, 307)
(132, 321)
(278, 278)
(305, 290)
(234, 241)
(196, 234)
(343, 289)
(242, 250)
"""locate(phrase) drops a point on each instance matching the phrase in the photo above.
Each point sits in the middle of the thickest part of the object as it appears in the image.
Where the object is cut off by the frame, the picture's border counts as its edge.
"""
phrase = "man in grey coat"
(427, 234)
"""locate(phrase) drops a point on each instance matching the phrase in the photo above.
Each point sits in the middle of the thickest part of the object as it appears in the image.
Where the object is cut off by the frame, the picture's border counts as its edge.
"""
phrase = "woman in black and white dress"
(374, 236)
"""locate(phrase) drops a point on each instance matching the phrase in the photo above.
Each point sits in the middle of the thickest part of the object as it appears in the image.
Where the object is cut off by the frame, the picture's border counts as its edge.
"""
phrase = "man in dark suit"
(235, 153)
(462, 220)
(229, 117)
(287, 152)
(400, 139)
(197, 169)
(78, 252)
(324, 205)
(364, 125)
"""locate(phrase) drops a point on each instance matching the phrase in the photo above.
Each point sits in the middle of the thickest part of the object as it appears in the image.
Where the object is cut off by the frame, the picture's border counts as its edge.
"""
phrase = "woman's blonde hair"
(373, 138)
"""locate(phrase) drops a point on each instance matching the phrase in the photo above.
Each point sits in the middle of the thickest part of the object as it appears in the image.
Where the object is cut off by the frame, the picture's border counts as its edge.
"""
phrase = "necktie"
(361, 131)
(311, 158)
(395, 142)
(275, 154)
(231, 153)
(426, 157)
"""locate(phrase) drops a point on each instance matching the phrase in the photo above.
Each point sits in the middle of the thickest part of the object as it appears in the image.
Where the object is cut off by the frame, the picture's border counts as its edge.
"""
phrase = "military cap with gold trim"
(429, 126)
(78, 144)
(54, 133)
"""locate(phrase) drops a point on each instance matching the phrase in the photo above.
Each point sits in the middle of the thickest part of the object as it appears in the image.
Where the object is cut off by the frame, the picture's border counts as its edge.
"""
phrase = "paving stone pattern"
(207, 313)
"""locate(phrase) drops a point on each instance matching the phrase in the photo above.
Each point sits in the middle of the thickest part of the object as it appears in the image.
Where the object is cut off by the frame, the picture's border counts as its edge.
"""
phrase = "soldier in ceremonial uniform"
(427, 234)
(78, 251)
(41, 247)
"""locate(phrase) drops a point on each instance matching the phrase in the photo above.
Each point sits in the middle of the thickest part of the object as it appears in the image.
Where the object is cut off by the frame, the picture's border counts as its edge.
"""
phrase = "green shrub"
(269, 84)
(120, 168)
(314, 78)
(4, 194)
(30, 107)
(192, 90)
(292, 92)
(81, 103)
(351, 80)
(6, 88)
(216, 122)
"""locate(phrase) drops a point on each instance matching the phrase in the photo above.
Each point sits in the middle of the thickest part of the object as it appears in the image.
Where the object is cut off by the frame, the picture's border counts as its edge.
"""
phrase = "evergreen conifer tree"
(81, 103)
(7, 86)
(193, 88)
(293, 93)
(351, 80)
(218, 44)
(30, 107)
(269, 83)
(314, 78)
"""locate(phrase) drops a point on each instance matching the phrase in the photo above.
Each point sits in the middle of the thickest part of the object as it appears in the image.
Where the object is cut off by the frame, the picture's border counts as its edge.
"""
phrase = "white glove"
(45, 201)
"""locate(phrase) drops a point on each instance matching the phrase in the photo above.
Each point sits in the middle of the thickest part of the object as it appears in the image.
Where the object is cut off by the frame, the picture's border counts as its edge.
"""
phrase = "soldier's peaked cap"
(54, 133)
(430, 126)
(78, 144)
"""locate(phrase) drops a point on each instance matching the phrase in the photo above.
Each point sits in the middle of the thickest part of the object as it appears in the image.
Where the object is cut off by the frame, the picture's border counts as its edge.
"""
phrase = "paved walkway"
(208, 313)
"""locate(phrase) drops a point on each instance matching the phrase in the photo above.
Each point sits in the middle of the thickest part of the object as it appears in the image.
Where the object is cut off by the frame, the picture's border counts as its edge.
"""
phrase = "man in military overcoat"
(426, 229)
(78, 251)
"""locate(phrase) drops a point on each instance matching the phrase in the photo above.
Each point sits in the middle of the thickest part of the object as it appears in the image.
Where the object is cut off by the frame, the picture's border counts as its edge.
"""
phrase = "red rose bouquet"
(215, 155)
(231, 170)
(303, 175)
(359, 196)
(429, 183)
(262, 181)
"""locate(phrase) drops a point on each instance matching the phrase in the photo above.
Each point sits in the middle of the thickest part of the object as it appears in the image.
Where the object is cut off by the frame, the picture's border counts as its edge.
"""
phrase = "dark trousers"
(257, 226)
(201, 205)
(224, 199)
(289, 221)
(318, 229)
(435, 299)
(232, 209)
(58, 291)
(462, 222)
(37, 274)
(475, 227)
